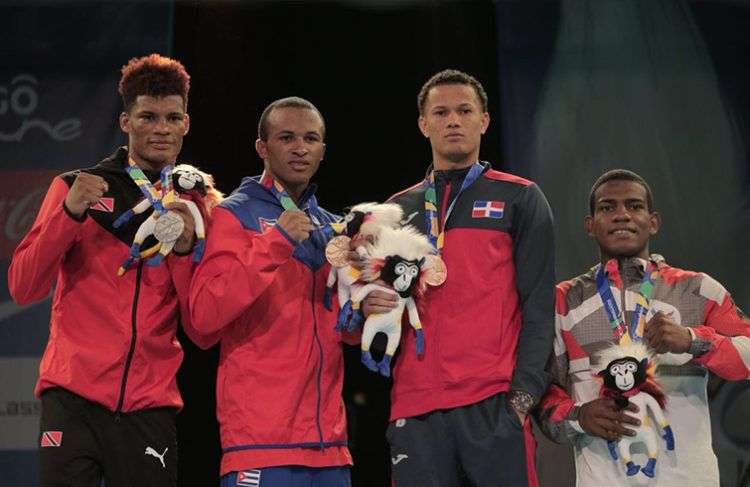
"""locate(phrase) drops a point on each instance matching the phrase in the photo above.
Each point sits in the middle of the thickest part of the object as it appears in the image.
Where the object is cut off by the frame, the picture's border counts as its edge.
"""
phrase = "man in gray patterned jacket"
(691, 324)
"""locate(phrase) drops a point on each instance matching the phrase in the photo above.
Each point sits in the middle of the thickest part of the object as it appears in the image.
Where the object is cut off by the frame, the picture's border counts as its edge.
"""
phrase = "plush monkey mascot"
(400, 261)
(164, 225)
(360, 228)
(628, 376)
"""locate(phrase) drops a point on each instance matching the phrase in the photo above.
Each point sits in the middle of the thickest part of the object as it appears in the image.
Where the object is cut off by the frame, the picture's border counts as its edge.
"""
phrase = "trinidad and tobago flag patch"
(104, 204)
(488, 209)
(51, 438)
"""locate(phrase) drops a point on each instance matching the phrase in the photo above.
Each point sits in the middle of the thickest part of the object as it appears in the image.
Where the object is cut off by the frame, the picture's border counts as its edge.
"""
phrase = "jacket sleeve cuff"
(286, 235)
(79, 219)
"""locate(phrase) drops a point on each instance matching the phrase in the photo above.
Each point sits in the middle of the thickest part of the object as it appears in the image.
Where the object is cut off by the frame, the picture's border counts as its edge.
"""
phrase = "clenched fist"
(664, 335)
(85, 191)
(296, 224)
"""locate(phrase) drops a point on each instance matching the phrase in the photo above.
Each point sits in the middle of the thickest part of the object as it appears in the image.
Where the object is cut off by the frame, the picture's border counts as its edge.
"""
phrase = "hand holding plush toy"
(360, 228)
(628, 377)
(164, 224)
(401, 261)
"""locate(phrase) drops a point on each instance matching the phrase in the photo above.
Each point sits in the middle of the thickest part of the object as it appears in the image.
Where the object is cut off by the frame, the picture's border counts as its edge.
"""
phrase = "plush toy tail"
(328, 299)
(123, 218)
(200, 247)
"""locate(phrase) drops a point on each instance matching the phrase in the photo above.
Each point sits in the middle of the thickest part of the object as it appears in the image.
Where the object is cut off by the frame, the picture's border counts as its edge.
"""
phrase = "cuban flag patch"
(266, 223)
(248, 478)
(51, 439)
(488, 209)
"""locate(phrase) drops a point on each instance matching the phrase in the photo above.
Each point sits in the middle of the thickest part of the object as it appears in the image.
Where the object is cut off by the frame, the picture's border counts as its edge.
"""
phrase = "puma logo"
(398, 458)
(154, 453)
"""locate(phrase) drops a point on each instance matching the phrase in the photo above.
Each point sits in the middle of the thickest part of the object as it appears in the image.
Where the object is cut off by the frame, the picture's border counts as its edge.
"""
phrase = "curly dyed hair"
(153, 75)
(451, 77)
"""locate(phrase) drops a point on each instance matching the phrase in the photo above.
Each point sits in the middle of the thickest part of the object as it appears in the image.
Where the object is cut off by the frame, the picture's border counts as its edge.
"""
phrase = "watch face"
(573, 414)
(522, 401)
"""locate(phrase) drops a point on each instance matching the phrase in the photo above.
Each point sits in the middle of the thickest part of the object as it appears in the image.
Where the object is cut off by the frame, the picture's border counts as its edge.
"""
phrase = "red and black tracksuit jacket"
(112, 339)
(489, 327)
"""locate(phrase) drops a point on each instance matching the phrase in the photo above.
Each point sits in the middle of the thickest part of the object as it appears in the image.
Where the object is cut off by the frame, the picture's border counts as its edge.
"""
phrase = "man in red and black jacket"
(459, 412)
(107, 378)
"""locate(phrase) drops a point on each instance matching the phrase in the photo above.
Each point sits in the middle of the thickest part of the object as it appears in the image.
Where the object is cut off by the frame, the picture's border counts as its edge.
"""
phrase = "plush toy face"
(187, 180)
(401, 274)
(353, 221)
(624, 374)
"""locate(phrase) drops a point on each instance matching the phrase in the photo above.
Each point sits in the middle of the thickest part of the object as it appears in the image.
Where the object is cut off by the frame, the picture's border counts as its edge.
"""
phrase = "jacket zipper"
(133, 318)
(623, 286)
(443, 207)
(320, 364)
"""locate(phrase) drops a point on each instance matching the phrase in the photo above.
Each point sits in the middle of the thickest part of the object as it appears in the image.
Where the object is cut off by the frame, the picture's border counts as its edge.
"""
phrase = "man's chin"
(624, 252)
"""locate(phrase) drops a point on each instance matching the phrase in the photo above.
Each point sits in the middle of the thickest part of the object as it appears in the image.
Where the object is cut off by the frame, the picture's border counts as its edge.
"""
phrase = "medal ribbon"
(268, 181)
(436, 234)
(323, 232)
(148, 189)
(616, 318)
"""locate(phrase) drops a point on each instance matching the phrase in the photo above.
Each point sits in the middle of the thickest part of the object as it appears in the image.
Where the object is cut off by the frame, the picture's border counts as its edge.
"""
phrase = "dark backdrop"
(362, 66)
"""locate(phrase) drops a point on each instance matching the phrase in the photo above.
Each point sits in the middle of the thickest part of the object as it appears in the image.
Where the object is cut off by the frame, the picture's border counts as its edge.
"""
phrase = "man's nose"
(453, 119)
(299, 148)
(622, 213)
(162, 126)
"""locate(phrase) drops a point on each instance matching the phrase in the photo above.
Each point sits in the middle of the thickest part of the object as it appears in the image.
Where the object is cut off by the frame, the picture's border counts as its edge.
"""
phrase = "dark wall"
(362, 67)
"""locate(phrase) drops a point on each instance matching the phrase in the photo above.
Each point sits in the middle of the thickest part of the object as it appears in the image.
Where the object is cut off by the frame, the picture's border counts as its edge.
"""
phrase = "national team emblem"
(104, 204)
(248, 478)
(51, 438)
(488, 209)
(265, 223)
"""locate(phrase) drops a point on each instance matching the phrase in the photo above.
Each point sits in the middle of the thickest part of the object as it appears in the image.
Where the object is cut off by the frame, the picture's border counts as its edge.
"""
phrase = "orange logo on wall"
(22, 193)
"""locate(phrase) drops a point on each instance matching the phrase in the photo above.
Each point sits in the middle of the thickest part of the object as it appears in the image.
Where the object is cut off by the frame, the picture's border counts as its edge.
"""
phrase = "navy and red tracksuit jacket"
(112, 339)
(281, 365)
(489, 327)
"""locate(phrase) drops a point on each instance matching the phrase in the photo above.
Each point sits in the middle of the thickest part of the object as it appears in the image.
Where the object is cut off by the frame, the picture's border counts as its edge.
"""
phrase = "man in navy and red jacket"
(107, 378)
(459, 413)
(259, 289)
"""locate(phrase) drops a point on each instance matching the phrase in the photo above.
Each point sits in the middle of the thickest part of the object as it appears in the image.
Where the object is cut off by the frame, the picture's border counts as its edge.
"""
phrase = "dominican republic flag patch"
(104, 204)
(51, 438)
(248, 478)
(488, 209)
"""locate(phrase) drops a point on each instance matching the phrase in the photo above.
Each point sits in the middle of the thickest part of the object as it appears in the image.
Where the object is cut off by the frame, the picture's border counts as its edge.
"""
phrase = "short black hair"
(621, 175)
(288, 102)
(451, 77)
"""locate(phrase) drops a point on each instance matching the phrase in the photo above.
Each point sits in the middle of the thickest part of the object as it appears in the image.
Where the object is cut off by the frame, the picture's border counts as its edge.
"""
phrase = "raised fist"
(85, 191)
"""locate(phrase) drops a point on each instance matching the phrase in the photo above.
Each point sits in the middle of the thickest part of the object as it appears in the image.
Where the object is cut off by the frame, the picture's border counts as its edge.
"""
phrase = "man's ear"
(485, 122)
(422, 123)
(654, 223)
(125, 122)
(588, 224)
(187, 124)
(261, 148)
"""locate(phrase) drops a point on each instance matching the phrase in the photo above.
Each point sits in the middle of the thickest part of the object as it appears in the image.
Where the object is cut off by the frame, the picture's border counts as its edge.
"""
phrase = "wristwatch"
(573, 413)
(698, 346)
(521, 401)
